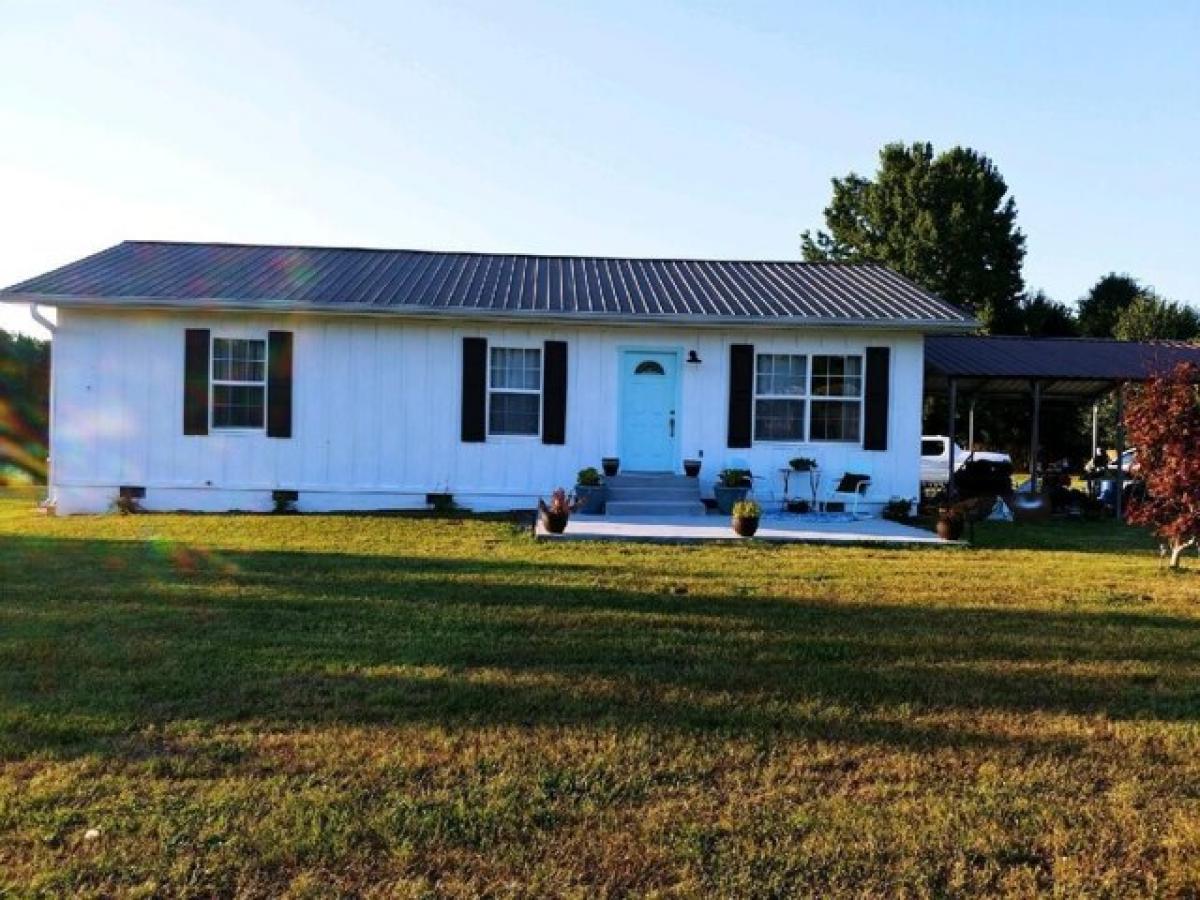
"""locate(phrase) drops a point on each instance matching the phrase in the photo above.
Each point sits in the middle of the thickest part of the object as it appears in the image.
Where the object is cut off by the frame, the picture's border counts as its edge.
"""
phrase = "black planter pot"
(691, 467)
(591, 498)
(555, 523)
(745, 526)
(611, 465)
(727, 496)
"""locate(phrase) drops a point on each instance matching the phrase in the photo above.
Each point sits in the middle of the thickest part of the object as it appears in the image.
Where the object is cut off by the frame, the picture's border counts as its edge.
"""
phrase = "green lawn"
(325, 705)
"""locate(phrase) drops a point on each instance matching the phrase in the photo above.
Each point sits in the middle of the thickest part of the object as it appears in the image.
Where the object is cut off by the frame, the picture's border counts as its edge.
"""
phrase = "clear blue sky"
(627, 128)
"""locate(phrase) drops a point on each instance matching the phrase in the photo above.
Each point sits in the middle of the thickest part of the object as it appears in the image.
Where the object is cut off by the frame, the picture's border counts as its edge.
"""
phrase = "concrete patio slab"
(780, 528)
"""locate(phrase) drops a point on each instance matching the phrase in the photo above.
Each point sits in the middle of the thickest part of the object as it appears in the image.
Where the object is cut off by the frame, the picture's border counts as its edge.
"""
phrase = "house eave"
(210, 305)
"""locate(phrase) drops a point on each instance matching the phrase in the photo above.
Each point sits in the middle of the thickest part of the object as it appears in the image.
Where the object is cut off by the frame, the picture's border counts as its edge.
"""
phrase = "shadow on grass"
(99, 639)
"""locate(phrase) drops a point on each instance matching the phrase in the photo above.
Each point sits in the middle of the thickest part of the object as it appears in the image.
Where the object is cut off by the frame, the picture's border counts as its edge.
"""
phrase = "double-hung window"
(239, 383)
(780, 386)
(803, 398)
(837, 392)
(515, 391)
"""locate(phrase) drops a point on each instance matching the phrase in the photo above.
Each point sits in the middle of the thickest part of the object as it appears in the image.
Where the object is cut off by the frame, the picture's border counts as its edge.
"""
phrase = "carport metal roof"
(1064, 368)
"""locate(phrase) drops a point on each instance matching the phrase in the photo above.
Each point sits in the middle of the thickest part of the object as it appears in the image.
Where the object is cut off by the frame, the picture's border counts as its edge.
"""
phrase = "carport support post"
(1120, 498)
(953, 414)
(971, 427)
(1095, 427)
(1034, 436)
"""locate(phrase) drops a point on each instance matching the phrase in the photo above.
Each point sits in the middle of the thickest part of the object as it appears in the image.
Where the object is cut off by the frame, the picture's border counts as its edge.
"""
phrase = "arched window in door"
(649, 367)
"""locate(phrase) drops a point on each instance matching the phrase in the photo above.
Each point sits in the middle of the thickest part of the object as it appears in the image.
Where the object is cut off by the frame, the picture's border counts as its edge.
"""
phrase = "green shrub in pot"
(590, 491)
(745, 517)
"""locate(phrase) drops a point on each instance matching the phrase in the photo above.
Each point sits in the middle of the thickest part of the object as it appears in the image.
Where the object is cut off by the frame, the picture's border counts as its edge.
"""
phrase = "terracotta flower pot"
(691, 467)
(745, 526)
(611, 465)
(949, 529)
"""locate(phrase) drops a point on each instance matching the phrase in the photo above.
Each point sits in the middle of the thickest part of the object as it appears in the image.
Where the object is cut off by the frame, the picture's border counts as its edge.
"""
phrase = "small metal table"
(814, 483)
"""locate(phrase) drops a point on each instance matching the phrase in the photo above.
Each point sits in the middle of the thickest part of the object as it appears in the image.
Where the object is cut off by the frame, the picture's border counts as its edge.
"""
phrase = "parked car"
(935, 458)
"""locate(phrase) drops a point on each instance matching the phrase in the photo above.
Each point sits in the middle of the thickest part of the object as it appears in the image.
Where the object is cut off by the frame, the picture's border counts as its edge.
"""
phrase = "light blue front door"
(649, 423)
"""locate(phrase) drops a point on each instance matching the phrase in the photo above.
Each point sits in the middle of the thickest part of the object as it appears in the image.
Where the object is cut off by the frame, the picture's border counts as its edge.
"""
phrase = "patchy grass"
(325, 705)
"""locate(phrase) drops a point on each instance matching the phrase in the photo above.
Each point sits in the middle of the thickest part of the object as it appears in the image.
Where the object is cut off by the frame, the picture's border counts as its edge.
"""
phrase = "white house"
(208, 376)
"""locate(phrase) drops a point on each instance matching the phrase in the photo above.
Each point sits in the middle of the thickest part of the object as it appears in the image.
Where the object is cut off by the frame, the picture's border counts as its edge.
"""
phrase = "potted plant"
(802, 464)
(896, 509)
(610, 464)
(557, 512)
(691, 467)
(589, 491)
(732, 485)
(745, 516)
(950, 522)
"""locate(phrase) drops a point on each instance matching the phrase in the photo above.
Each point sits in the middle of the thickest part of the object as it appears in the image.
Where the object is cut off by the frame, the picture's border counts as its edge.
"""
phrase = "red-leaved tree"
(1163, 421)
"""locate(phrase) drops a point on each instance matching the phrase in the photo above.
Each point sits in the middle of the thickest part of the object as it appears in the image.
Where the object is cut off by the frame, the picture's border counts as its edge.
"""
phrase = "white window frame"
(505, 436)
(803, 398)
(213, 382)
(814, 398)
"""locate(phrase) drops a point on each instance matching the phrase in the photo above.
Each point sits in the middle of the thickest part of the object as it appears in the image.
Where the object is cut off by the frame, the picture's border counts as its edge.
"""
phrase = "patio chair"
(850, 490)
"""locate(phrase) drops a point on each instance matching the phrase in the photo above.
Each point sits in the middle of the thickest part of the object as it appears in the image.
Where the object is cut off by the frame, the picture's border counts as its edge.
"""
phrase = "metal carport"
(1079, 369)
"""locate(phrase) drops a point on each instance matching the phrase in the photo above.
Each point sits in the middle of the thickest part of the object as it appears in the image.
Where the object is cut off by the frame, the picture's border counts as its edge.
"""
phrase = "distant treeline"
(24, 407)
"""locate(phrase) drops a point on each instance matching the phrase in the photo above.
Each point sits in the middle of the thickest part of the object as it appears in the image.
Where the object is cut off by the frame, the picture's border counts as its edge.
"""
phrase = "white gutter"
(203, 305)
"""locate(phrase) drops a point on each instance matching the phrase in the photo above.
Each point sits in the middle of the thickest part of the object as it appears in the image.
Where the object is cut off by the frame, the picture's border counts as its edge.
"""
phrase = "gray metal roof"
(158, 273)
(1067, 367)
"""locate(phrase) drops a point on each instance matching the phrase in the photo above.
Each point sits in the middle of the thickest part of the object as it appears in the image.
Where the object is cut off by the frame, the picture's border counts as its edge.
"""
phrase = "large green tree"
(1151, 318)
(24, 404)
(946, 221)
(1040, 316)
(1103, 304)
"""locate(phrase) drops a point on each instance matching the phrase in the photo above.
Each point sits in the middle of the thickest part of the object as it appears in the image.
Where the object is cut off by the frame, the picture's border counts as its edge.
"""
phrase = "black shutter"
(195, 381)
(474, 390)
(741, 395)
(279, 384)
(876, 398)
(554, 392)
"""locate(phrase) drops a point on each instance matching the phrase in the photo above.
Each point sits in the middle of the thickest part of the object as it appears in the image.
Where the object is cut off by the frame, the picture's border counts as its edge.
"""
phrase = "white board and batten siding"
(376, 413)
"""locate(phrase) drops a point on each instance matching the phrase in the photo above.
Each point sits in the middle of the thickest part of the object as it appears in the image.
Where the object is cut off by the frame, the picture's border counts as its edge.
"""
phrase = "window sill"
(514, 439)
(811, 442)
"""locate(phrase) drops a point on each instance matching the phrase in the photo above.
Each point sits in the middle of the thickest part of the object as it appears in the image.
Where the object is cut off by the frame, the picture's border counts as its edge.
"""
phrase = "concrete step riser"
(649, 480)
(652, 494)
(629, 508)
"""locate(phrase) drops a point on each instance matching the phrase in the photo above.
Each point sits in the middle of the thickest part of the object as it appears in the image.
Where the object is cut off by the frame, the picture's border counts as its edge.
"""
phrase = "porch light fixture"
(693, 358)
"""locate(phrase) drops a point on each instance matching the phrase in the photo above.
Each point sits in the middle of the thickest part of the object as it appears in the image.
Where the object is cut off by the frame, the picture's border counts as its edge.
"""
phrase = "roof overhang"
(216, 304)
(1075, 389)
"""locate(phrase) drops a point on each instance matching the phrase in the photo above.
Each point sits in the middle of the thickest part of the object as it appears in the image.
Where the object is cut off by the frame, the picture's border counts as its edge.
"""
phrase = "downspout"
(41, 319)
(37, 316)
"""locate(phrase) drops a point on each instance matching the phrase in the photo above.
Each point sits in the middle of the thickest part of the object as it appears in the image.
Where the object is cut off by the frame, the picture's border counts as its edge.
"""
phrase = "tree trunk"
(1177, 548)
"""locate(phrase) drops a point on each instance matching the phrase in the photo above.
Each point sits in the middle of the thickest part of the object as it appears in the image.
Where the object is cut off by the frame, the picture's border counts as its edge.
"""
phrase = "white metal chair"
(851, 489)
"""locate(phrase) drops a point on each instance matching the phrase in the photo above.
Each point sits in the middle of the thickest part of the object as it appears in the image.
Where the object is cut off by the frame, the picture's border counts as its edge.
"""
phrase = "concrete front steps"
(653, 494)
